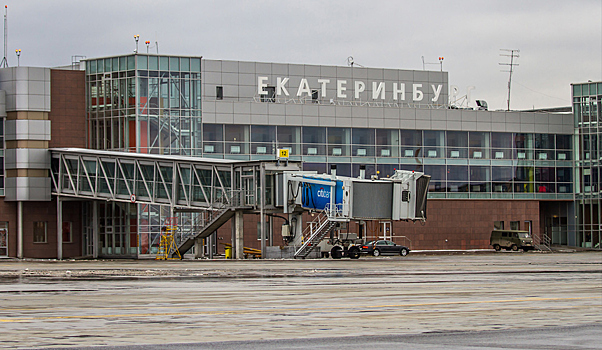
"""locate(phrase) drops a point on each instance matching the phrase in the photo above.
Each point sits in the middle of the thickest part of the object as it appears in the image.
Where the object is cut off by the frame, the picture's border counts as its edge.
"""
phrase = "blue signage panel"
(316, 196)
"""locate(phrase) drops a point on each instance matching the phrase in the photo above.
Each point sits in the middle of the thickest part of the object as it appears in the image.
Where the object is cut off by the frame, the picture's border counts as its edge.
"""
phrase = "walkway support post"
(261, 208)
(95, 238)
(20, 230)
(59, 228)
(239, 247)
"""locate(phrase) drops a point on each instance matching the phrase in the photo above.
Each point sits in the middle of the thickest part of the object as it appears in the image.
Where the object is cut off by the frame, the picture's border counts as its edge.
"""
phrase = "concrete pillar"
(59, 228)
(262, 210)
(298, 229)
(239, 235)
(199, 245)
(271, 230)
(20, 230)
(210, 244)
(95, 235)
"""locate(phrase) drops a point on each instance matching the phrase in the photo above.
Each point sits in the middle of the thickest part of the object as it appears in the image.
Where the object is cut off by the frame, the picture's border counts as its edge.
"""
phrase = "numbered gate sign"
(283, 153)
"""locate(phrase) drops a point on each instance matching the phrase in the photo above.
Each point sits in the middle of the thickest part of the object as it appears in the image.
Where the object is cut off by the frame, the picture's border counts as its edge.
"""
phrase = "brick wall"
(68, 108)
(451, 224)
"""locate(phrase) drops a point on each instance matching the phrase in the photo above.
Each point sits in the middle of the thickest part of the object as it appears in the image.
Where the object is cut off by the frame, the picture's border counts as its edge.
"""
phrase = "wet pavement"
(123, 303)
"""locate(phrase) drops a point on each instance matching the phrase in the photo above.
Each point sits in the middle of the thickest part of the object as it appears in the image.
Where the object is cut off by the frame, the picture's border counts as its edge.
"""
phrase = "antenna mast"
(512, 54)
(4, 62)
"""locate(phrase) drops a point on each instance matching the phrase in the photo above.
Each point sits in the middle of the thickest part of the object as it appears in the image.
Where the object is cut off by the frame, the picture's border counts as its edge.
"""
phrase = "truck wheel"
(376, 252)
(497, 247)
(403, 252)
(354, 253)
(336, 252)
(514, 248)
(325, 255)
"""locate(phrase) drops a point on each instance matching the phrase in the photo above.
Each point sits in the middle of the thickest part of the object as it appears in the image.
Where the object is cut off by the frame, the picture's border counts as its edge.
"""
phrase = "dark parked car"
(383, 247)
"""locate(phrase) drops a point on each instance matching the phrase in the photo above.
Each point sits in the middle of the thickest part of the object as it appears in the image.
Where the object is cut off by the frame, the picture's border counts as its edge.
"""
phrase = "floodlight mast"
(512, 54)
(4, 63)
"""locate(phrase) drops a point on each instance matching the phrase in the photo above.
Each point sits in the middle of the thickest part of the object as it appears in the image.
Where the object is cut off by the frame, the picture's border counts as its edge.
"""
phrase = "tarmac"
(81, 303)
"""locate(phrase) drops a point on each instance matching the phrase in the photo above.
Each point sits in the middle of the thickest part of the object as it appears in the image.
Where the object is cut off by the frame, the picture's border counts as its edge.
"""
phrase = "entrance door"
(113, 231)
(3, 242)
(386, 230)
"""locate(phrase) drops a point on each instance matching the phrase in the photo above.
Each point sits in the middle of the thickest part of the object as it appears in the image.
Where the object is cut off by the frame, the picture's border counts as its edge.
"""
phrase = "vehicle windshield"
(371, 243)
(523, 235)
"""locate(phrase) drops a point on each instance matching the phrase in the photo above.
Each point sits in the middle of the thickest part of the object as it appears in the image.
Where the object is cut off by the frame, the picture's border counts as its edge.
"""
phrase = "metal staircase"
(316, 231)
(213, 221)
(542, 244)
(323, 227)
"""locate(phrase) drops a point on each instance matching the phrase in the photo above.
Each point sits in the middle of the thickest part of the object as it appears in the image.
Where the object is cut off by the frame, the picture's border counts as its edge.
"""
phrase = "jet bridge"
(341, 199)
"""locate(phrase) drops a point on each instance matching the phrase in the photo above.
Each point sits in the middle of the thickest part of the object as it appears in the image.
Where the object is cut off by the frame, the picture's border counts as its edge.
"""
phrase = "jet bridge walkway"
(219, 187)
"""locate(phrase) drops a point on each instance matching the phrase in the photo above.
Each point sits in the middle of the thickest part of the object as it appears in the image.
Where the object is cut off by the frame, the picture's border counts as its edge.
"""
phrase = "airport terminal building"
(513, 169)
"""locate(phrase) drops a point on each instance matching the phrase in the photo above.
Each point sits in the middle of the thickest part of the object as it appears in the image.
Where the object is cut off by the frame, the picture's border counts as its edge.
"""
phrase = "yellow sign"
(283, 153)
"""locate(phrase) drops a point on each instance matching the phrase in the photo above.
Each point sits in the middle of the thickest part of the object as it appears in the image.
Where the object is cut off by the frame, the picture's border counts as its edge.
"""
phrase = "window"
(39, 231)
(219, 92)
(498, 225)
(67, 236)
(515, 225)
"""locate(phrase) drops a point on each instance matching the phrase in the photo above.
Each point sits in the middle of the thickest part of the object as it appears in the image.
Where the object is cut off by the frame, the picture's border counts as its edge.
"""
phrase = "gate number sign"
(283, 153)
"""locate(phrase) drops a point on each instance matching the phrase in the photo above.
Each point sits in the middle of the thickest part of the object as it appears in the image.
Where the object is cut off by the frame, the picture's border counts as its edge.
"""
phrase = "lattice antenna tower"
(512, 54)
(4, 62)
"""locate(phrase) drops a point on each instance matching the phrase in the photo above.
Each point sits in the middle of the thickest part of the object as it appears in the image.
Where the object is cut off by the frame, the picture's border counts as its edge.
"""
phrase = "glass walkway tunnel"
(130, 197)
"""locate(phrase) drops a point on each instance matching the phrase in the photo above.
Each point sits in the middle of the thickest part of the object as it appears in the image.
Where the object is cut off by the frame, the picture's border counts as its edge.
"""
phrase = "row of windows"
(145, 62)
(470, 179)
(361, 142)
(587, 89)
(155, 95)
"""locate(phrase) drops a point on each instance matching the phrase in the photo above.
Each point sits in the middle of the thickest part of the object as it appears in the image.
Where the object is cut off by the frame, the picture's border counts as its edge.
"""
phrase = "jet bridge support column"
(239, 244)
(297, 219)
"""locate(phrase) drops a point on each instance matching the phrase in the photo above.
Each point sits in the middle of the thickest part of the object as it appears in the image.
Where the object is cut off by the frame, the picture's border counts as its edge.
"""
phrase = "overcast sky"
(560, 41)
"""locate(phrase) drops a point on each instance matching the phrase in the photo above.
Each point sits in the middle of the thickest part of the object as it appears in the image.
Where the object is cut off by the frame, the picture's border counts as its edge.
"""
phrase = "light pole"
(18, 52)
(147, 43)
(441, 63)
(136, 37)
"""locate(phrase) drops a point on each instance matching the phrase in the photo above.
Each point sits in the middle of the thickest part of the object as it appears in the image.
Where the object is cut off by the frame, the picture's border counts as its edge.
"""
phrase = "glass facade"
(462, 164)
(144, 104)
(587, 110)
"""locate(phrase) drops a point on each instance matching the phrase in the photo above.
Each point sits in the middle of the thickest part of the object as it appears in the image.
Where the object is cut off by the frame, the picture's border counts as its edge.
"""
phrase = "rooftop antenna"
(440, 63)
(512, 54)
(351, 62)
(4, 63)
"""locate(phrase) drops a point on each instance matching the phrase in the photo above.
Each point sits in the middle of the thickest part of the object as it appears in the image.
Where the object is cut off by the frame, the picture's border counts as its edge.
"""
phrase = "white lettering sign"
(359, 87)
(281, 86)
(417, 95)
(303, 87)
(261, 85)
(436, 91)
(323, 82)
(380, 89)
(341, 88)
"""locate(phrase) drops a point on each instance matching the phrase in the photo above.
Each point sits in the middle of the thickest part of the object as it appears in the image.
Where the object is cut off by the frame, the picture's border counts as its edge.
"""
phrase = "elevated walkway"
(215, 188)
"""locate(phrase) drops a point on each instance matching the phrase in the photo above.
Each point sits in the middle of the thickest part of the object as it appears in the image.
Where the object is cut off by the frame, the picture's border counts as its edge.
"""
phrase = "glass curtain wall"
(145, 104)
(587, 110)
(462, 164)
